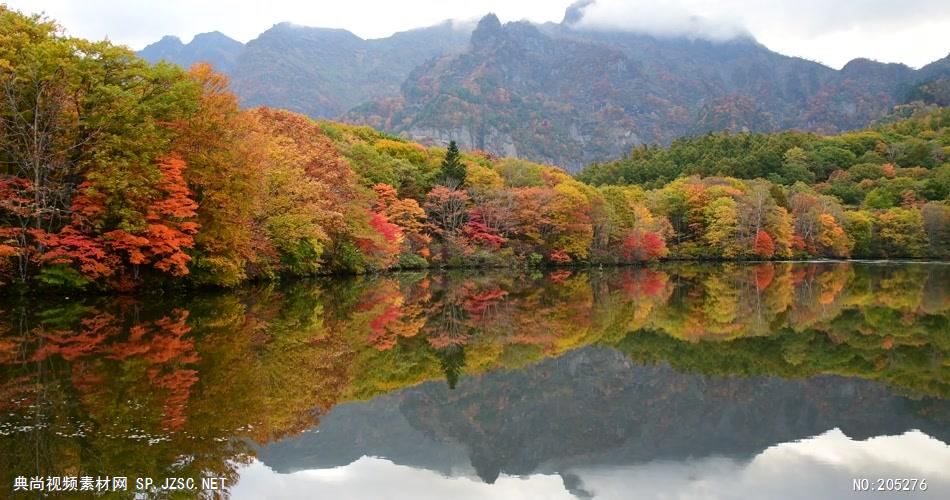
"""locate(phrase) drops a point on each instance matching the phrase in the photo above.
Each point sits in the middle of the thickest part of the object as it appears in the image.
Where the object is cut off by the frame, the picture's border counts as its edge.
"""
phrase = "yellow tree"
(225, 153)
(722, 231)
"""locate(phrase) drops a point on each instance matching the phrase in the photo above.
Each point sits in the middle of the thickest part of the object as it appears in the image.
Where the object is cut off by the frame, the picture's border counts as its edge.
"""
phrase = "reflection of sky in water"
(818, 467)
(684, 379)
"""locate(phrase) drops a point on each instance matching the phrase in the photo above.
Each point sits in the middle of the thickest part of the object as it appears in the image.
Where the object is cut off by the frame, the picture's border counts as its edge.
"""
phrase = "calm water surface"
(676, 381)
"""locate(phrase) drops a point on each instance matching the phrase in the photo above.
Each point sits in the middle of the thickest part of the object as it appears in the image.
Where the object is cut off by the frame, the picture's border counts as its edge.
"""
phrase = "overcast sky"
(833, 32)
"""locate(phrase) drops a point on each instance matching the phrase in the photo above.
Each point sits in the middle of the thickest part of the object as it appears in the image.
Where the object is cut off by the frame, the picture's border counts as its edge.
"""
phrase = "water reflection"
(818, 467)
(594, 411)
(569, 380)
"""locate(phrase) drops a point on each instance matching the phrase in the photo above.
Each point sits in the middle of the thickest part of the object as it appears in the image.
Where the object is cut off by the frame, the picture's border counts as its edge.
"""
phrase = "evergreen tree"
(453, 171)
(452, 360)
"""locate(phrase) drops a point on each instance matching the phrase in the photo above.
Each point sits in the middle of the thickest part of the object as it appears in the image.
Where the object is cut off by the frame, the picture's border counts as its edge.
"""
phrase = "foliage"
(843, 161)
(452, 173)
(190, 382)
(142, 174)
(573, 96)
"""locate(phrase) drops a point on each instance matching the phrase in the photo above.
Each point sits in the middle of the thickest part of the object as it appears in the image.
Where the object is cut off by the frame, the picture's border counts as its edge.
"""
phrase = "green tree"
(901, 233)
(453, 171)
(937, 226)
(860, 228)
(796, 166)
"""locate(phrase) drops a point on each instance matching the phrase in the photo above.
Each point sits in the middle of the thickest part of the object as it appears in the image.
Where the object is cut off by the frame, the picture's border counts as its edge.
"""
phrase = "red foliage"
(477, 232)
(798, 242)
(162, 345)
(317, 153)
(72, 246)
(177, 203)
(382, 241)
(764, 274)
(15, 195)
(385, 195)
(388, 230)
(642, 246)
(167, 234)
(764, 246)
(559, 257)
(6, 250)
(88, 205)
(134, 246)
(162, 243)
(641, 283)
(560, 276)
(477, 303)
(166, 245)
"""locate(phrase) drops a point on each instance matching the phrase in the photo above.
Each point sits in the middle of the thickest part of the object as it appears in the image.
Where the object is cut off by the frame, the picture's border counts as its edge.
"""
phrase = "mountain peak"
(487, 30)
(312, 34)
(167, 46)
(167, 42)
(213, 35)
(869, 69)
(489, 22)
(216, 48)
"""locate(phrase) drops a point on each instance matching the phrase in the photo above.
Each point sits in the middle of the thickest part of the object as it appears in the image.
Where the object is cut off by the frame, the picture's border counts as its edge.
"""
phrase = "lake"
(681, 380)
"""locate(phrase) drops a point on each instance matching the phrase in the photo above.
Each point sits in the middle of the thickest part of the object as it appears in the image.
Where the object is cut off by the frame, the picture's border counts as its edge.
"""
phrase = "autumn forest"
(119, 174)
(489, 258)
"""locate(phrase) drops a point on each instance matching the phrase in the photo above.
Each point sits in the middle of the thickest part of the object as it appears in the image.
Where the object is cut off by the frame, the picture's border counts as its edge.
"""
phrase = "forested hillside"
(569, 95)
(561, 93)
(320, 72)
(118, 174)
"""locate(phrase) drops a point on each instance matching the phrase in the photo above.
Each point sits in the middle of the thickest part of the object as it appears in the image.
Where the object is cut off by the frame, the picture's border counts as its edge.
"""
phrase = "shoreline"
(184, 289)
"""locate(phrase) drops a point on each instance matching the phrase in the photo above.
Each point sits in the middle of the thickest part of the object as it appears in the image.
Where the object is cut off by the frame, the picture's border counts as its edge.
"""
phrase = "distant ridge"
(321, 72)
(557, 92)
(214, 47)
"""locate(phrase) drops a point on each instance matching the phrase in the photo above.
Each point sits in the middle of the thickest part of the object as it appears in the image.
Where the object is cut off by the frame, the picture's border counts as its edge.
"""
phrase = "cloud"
(140, 22)
(371, 477)
(662, 18)
(910, 31)
(819, 467)
(833, 32)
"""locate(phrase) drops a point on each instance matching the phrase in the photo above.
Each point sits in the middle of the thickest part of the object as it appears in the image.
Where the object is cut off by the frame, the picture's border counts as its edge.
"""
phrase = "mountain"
(935, 91)
(567, 95)
(561, 93)
(216, 48)
(594, 408)
(321, 72)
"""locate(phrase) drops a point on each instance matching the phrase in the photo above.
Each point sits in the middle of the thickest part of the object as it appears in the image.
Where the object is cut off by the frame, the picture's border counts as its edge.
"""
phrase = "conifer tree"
(453, 171)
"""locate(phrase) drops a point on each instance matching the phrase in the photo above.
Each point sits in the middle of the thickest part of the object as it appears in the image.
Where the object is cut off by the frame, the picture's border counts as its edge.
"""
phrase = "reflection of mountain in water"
(594, 407)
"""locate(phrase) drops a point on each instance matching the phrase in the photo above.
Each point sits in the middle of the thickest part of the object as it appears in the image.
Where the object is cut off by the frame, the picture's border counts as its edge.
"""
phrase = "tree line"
(116, 173)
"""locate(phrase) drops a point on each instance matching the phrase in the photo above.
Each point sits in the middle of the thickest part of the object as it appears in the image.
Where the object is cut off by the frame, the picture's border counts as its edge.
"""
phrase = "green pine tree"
(453, 171)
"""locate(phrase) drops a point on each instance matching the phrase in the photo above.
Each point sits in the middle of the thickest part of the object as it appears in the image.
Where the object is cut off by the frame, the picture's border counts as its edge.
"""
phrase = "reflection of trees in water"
(197, 375)
(590, 406)
(452, 359)
(98, 387)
